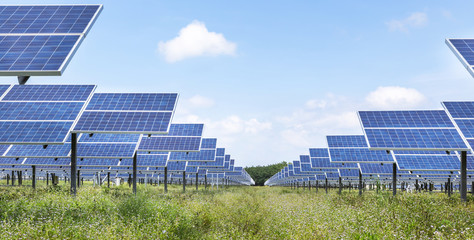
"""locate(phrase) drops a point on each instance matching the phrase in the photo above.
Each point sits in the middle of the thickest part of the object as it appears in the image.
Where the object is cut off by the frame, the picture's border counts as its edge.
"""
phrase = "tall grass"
(234, 213)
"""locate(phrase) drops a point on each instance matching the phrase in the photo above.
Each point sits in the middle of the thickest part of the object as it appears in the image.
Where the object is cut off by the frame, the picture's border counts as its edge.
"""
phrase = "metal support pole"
(394, 179)
(8, 179)
(135, 173)
(309, 185)
(79, 183)
(47, 179)
(317, 185)
(449, 186)
(34, 176)
(197, 181)
(108, 179)
(326, 186)
(360, 183)
(205, 181)
(166, 179)
(73, 164)
(184, 181)
(13, 178)
(340, 185)
(463, 176)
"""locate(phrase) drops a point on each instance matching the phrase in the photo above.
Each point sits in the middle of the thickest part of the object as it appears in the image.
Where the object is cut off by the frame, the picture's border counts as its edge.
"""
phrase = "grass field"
(233, 213)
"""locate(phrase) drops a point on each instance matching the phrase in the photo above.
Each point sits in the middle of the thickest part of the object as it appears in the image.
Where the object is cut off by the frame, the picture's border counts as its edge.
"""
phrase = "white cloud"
(395, 97)
(200, 101)
(195, 40)
(416, 19)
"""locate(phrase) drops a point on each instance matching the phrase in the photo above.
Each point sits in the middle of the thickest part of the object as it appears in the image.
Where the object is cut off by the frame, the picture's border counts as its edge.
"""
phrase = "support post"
(205, 181)
(309, 185)
(79, 183)
(47, 179)
(8, 179)
(360, 183)
(184, 181)
(74, 164)
(326, 185)
(317, 185)
(197, 181)
(449, 186)
(166, 179)
(135, 173)
(463, 176)
(394, 179)
(340, 185)
(108, 179)
(34, 176)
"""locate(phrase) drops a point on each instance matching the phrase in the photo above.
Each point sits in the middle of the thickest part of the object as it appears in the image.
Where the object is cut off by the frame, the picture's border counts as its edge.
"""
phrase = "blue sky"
(271, 79)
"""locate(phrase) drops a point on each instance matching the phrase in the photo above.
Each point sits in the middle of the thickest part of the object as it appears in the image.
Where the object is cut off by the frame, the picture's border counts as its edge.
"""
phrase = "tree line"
(260, 174)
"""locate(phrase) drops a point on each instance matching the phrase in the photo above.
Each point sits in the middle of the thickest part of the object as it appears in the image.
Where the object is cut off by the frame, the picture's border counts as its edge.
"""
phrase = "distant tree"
(260, 174)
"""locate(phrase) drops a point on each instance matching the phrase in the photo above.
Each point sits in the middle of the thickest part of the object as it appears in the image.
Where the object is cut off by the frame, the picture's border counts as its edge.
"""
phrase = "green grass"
(234, 213)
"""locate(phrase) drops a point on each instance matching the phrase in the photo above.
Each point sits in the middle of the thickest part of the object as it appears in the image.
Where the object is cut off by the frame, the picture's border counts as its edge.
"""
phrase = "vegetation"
(235, 213)
(260, 174)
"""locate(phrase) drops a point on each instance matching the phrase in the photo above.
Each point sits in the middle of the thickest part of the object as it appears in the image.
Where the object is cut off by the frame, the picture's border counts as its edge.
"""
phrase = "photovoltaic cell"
(40, 110)
(48, 161)
(209, 143)
(349, 141)
(220, 152)
(49, 93)
(318, 152)
(47, 18)
(147, 160)
(176, 166)
(464, 51)
(122, 122)
(100, 150)
(109, 138)
(11, 161)
(133, 101)
(349, 173)
(51, 151)
(428, 162)
(203, 155)
(170, 144)
(376, 168)
(324, 163)
(410, 130)
(106, 162)
(34, 132)
(188, 130)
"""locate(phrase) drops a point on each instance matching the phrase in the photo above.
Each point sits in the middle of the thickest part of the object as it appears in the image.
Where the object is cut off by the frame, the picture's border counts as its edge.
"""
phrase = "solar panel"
(11, 161)
(176, 166)
(428, 162)
(148, 160)
(52, 151)
(181, 137)
(354, 149)
(106, 150)
(376, 168)
(349, 173)
(203, 155)
(128, 113)
(47, 161)
(410, 130)
(325, 163)
(220, 152)
(106, 162)
(464, 51)
(318, 152)
(209, 143)
(40, 114)
(41, 39)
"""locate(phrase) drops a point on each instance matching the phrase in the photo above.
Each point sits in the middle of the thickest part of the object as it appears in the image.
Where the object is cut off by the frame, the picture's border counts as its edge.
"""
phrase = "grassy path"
(236, 213)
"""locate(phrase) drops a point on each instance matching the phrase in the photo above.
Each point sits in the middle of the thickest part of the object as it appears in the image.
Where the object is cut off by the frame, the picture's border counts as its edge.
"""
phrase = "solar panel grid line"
(5, 90)
(7, 150)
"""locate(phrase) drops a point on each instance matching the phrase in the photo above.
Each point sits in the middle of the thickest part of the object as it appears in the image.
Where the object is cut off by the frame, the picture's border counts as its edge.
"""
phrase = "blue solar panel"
(48, 161)
(332, 175)
(318, 152)
(324, 163)
(466, 127)
(349, 141)
(52, 151)
(190, 169)
(304, 159)
(176, 166)
(410, 130)
(49, 93)
(209, 143)
(428, 162)
(353, 173)
(460, 109)
(34, 132)
(3, 89)
(120, 122)
(188, 130)
(11, 161)
(412, 139)
(376, 168)
(40, 110)
(3, 148)
(220, 152)
(148, 160)
(133, 101)
(36, 53)
(47, 18)
(359, 155)
(203, 155)
(405, 119)
(464, 51)
(115, 150)
(170, 144)
(109, 138)
(411, 152)
(219, 162)
(97, 162)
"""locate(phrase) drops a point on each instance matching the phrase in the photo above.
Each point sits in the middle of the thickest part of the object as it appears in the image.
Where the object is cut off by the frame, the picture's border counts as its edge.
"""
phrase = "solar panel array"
(464, 51)
(41, 39)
